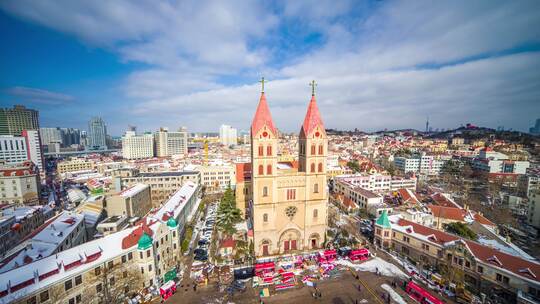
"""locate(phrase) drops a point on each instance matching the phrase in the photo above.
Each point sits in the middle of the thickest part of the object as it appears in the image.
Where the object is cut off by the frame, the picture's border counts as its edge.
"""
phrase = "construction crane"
(206, 152)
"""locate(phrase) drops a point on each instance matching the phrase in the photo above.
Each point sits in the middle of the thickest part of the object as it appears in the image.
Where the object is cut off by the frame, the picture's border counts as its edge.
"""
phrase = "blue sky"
(378, 64)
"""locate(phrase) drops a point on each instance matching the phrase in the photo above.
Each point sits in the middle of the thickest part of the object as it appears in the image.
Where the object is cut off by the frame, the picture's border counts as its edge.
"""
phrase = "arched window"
(261, 150)
(265, 217)
(313, 167)
(265, 191)
(261, 170)
(316, 188)
(320, 149)
(269, 170)
(269, 151)
(320, 167)
(312, 149)
(315, 213)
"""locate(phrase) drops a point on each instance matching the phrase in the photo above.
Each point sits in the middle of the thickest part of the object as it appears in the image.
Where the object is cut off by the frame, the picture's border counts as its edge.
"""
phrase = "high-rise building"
(137, 146)
(97, 134)
(70, 136)
(289, 207)
(13, 149)
(170, 143)
(14, 121)
(50, 136)
(33, 147)
(228, 135)
(536, 129)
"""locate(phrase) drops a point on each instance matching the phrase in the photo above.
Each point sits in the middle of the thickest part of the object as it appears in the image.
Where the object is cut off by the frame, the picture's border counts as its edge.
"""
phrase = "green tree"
(355, 167)
(461, 229)
(228, 215)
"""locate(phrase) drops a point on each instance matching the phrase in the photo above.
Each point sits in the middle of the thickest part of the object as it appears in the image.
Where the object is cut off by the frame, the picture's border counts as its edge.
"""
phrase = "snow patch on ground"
(393, 294)
(384, 268)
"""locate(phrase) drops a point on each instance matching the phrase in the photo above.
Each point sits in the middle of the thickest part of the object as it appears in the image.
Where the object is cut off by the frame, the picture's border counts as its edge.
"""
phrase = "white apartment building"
(377, 182)
(13, 149)
(171, 143)
(19, 184)
(33, 146)
(137, 146)
(228, 135)
(216, 177)
(496, 163)
(424, 164)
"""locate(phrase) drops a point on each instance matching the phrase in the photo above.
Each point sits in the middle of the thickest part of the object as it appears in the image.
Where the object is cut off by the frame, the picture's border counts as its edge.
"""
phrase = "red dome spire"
(313, 117)
(262, 117)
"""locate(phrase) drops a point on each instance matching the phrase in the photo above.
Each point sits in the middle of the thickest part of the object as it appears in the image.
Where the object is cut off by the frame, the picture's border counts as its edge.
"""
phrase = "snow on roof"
(130, 192)
(176, 203)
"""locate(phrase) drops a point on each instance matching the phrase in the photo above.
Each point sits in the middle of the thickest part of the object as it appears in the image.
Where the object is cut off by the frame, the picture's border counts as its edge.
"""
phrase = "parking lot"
(205, 229)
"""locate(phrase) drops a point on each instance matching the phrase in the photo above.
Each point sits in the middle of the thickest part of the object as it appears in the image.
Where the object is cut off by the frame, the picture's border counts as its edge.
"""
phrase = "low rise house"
(19, 184)
(134, 201)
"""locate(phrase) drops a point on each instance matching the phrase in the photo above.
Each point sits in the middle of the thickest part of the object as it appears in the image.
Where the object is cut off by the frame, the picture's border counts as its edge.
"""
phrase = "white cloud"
(39, 96)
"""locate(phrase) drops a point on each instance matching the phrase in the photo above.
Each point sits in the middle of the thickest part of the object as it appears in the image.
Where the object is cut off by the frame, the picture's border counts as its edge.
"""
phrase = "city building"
(216, 177)
(14, 121)
(97, 134)
(65, 231)
(50, 136)
(424, 164)
(137, 146)
(111, 268)
(74, 165)
(497, 165)
(19, 184)
(13, 149)
(533, 216)
(481, 268)
(529, 182)
(112, 224)
(228, 135)
(289, 208)
(375, 182)
(162, 184)
(171, 143)
(33, 148)
(134, 201)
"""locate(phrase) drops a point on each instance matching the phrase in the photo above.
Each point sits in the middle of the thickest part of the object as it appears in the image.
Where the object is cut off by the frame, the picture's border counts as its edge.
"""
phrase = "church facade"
(288, 201)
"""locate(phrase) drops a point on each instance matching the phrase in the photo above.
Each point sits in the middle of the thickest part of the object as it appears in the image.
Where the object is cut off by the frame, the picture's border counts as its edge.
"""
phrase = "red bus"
(420, 294)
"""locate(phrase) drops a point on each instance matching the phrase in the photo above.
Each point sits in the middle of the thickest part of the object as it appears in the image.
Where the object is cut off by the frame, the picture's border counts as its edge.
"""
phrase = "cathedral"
(286, 201)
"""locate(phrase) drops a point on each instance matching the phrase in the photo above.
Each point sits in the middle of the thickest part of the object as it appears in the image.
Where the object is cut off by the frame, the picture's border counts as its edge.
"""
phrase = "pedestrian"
(355, 301)
(194, 287)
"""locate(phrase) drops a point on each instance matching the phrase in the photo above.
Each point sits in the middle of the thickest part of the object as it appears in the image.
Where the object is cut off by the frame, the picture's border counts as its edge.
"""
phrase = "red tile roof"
(262, 117)
(488, 255)
(313, 117)
(450, 213)
(228, 243)
(483, 220)
(131, 239)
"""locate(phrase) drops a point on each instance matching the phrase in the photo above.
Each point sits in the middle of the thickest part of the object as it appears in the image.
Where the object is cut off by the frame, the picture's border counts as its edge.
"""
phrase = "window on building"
(110, 264)
(124, 274)
(142, 269)
(316, 188)
(312, 167)
(467, 264)
(265, 217)
(480, 269)
(149, 267)
(312, 149)
(506, 280)
(265, 191)
(140, 254)
(148, 253)
(320, 167)
(68, 285)
(291, 194)
(78, 280)
(261, 170)
(31, 300)
(130, 256)
(261, 150)
(97, 270)
(124, 259)
(99, 287)
(269, 169)
(44, 296)
(111, 281)
(320, 149)
(315, 213)
(269, 151)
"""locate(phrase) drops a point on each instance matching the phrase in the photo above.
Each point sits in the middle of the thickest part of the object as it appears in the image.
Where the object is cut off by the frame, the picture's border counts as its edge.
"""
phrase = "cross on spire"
(262, 81)
(313, 84)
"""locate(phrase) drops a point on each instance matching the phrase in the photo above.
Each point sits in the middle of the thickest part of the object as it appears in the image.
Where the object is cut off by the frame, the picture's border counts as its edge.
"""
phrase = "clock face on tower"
(290, 211)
